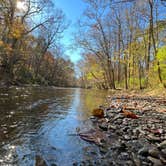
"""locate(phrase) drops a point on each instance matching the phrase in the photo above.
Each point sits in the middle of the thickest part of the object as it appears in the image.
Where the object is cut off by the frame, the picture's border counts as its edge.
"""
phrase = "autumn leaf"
(98, 112)
(129, 114)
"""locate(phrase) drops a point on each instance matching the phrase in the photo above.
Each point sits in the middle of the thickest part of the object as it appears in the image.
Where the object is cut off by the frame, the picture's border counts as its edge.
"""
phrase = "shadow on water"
(42, 122)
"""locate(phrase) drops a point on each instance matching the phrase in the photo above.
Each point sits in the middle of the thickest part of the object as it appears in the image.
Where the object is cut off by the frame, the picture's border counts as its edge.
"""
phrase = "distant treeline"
(28, 31)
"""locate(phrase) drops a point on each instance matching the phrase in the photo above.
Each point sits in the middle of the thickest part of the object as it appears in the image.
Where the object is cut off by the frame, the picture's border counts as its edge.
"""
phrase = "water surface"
(42, 121)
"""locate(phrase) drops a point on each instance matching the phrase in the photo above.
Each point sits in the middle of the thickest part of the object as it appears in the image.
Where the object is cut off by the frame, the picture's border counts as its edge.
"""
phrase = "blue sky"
(73, 10)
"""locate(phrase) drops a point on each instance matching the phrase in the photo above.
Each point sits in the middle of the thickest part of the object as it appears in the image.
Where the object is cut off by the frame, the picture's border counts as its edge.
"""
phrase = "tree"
(124, 37)
(27, 34)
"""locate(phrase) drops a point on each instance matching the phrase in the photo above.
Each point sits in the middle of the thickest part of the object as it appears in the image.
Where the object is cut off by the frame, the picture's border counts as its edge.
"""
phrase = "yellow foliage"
(1, 43)
(17, 30)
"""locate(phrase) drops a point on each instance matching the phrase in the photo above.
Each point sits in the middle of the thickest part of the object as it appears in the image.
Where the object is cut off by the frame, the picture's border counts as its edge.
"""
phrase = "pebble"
(103, 126)
(127, 137)
(144, 151)
(112, 127)
(118, 121)
(120, 116)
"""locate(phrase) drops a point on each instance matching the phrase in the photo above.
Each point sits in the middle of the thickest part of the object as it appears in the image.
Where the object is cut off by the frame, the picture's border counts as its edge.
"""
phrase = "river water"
(41, 122)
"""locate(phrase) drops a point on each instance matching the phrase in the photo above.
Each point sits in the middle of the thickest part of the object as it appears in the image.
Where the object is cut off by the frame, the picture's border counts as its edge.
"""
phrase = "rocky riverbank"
(132, 132)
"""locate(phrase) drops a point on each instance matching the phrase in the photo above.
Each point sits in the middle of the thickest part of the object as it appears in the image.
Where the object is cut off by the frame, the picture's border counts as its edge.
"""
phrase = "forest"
(30, 48)
(123, 44)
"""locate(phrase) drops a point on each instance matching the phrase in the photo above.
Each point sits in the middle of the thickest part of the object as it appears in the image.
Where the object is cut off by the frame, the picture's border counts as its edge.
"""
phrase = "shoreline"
(131, 132)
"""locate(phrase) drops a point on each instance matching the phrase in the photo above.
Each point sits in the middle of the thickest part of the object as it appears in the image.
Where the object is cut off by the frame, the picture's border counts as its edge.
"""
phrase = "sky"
(73, 10)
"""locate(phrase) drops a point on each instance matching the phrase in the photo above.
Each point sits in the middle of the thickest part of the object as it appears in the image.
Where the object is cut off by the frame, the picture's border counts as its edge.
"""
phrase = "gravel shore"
(125, 140)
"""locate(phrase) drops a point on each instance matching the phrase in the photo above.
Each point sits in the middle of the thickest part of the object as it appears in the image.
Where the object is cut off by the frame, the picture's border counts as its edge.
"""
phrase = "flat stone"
(156, 162)
(154, 152)
(164, 152)
(136, 160)
(162, 145)
(154, 138)
(120, 116)
(112, 127)
(118, 121)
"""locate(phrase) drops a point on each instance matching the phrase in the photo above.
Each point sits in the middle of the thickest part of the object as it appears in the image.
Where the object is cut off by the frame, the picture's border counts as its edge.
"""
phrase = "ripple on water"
(42, 122)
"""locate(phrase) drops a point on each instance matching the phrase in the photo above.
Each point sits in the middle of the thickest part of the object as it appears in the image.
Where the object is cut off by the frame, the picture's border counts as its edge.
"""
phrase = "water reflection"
(42, 122)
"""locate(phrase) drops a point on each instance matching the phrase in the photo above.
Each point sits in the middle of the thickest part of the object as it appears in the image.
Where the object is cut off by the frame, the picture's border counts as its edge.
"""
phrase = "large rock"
(162, 145)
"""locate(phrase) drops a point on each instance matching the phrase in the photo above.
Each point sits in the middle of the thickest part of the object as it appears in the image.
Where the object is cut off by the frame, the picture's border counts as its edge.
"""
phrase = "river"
(42, 121)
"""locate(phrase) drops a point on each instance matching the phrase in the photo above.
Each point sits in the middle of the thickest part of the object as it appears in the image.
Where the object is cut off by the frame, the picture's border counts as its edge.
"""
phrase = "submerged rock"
(40, 161)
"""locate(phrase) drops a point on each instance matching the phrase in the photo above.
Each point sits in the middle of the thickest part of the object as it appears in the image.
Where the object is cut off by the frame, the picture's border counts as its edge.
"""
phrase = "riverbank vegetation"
(123, 44)
(30, 49)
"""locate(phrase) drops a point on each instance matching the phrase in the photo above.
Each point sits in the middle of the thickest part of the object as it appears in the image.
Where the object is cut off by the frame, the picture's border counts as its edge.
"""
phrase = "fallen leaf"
(129, 114)
(98, 112)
